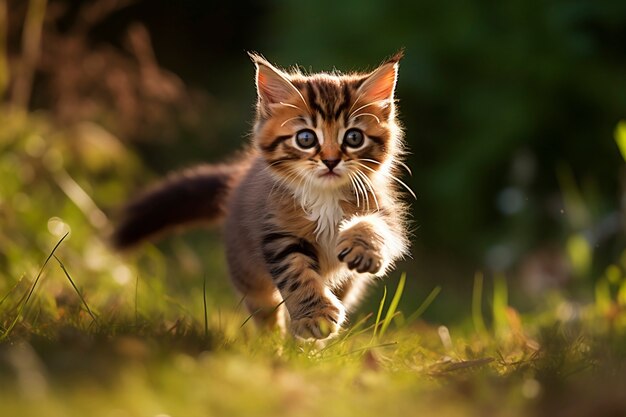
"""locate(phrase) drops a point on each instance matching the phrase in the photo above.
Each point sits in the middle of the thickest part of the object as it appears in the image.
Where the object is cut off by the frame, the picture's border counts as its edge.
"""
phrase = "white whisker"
(301, 96)
(356, 193)
(369, 160)
(406, 167)
(360, 108)
(363, 106)
(391, 177)
(368, 182)
(288, 120)
(290, 105)
(274, 163)
(364, 191)
(367, 114)
(307, 191)
(284, 181)
(353, 104)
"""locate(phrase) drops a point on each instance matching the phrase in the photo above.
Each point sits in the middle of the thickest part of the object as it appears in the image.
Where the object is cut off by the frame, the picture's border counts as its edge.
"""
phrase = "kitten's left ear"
(380, 84)
(272, 85)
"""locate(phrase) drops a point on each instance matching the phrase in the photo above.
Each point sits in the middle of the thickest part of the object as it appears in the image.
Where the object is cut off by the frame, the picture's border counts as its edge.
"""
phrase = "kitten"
(312, 210)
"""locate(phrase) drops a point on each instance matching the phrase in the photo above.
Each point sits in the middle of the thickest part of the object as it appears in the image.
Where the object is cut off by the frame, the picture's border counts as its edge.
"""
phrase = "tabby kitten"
(312, 210)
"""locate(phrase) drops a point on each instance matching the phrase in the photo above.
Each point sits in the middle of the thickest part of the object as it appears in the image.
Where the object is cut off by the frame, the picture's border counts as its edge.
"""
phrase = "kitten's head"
(326, 130)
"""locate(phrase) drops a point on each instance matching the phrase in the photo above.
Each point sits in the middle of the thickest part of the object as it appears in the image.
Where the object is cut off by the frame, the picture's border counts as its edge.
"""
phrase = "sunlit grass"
(62, 359)
(87, 331)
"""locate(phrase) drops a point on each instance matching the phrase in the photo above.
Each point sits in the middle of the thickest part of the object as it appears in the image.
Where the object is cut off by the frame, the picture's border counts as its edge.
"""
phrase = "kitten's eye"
(353, 138)
(306, 138)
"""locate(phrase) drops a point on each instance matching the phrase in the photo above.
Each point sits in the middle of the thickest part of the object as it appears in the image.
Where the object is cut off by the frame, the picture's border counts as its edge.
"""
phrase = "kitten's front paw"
(322, 323)
(360, 248)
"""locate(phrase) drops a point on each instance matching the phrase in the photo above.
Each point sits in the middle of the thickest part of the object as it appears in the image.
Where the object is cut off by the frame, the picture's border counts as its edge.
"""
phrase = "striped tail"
(193, 196)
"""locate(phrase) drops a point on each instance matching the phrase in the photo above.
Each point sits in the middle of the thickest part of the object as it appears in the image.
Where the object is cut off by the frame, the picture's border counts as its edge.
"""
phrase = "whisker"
(391, 177)
(370, 160)
(301, 178)
(353, 104)
(363, 181)
(286, 181)
(366, 197)
(356, 194)
(367, 114)
(363, 191)
(306, 187)
(288, 120)
(368, 182)
(405, 166)
(299, 94)
(279, 182)
(273, 164)
(291, 105)
(301, 97)
(363, 106)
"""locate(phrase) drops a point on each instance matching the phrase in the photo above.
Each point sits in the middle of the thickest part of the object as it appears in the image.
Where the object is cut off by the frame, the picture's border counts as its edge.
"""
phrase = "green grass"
(71, 356)
(87, 331)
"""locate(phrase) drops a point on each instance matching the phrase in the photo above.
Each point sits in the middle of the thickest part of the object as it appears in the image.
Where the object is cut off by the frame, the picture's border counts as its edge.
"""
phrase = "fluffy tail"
(196, 195)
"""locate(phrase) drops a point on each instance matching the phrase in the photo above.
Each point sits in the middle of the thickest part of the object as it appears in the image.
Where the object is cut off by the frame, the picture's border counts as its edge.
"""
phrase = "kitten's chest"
(324, 210)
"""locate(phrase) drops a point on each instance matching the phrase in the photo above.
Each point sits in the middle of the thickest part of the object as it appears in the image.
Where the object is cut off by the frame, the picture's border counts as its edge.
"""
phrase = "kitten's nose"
(331, 163)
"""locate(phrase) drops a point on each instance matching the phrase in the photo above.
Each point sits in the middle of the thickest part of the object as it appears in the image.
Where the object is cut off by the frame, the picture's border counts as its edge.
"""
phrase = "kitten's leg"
(293, 263)
(259, 293)
(371, 243)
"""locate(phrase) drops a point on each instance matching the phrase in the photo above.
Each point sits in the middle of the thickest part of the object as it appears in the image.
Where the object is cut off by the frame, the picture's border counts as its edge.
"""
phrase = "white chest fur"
(322, 207)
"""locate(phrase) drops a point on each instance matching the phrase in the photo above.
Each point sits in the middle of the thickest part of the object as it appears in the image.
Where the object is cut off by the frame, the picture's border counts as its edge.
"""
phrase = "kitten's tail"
(193, 196)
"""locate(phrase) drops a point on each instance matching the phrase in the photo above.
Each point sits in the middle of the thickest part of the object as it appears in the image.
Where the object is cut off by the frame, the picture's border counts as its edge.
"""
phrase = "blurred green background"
(510, 111)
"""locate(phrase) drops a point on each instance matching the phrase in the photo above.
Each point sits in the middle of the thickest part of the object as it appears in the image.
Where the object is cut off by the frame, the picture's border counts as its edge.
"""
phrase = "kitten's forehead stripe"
(330, 98)
(345, 102)
(313, 100)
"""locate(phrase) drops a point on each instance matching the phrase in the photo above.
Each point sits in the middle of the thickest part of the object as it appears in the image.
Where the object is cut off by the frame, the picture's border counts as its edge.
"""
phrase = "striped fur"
(309, 222)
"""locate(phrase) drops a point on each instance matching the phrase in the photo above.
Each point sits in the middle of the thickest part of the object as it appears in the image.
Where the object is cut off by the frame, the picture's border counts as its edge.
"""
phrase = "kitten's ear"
(381, 83)
(272, 85)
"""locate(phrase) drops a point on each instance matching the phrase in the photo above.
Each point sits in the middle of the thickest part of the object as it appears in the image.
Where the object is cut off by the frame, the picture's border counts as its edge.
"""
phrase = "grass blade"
(206, 316)
(477, 302)
(380, 311)
(11, 290)
(352, 331)
(500, 303)
(32, 288)
(93, 316)
(425, 304)
(137, 300)
(259, 309)
(394, 304)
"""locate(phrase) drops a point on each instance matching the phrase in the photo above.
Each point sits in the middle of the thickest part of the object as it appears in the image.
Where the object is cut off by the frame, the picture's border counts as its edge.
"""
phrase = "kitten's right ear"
(273, 86)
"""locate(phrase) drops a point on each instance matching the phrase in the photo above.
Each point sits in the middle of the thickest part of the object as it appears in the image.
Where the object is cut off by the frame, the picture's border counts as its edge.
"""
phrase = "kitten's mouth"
(329, 174)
